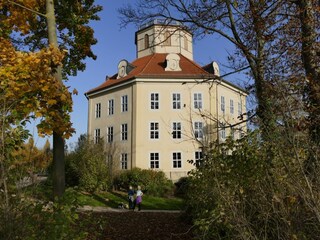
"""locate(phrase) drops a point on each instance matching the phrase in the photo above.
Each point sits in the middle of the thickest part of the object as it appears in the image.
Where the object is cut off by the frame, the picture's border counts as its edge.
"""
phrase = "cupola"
(160, 36)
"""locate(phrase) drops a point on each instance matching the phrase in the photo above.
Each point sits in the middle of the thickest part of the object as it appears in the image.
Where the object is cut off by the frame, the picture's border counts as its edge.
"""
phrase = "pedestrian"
(138, 198)
(131, 197)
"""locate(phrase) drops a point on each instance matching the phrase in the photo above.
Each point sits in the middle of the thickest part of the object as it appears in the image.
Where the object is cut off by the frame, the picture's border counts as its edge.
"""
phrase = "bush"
(31, 219)
(181, 187)
(245, 191)
(152, 182)
(86, 166)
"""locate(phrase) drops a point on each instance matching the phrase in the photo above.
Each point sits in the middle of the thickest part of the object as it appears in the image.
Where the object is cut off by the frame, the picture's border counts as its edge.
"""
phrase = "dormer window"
(167, 39)
(173, 62)
(146, 41)
(124, 68)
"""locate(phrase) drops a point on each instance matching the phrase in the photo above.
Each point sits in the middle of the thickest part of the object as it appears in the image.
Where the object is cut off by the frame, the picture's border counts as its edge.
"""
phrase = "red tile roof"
(153, 66)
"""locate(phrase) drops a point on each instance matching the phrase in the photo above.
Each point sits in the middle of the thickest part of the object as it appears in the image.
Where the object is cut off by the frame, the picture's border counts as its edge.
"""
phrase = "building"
(161, 109)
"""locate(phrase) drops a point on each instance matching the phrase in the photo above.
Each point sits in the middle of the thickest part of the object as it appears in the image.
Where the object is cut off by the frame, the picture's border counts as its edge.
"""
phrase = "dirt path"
(140, 225)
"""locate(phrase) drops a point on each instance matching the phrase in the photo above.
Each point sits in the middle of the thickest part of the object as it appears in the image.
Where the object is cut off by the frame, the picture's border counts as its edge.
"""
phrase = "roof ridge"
(149, 60)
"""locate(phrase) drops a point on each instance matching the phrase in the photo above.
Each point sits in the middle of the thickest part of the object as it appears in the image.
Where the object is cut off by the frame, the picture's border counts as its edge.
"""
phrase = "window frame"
(198, 129)
(186, 44)
(231, 106)
(110, 107)
(124, 161)
(124, 132)
(176, 160)
(197, 102)
(223, 135)
(97, 135)
(146, 41)
(167, 38)
(98, 110)
(154, 103)
(239, 108)
(124, 103)
(198, 159)
(176, 130)
(154, 129)
(110, 131)
(176, 103)
(154, 160)
(222, 104)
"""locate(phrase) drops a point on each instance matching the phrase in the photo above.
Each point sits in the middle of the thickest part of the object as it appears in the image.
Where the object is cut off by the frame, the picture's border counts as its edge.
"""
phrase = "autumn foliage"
(29, 88)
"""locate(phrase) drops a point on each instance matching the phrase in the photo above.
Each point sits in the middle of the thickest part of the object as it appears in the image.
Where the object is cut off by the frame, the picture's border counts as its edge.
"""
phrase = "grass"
(112, 199)
(108, 199)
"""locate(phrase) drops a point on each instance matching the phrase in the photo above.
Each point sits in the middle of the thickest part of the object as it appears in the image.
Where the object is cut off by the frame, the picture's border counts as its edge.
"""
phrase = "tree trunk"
(58, 142)
(312, 69)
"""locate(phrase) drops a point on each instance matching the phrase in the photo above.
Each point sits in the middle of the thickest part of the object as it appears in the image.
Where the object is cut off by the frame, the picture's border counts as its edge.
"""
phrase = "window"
(110, 135)
(124, 161)
(198, 130)
(176, 157)
(124, 132)
(232, 132)
(239, 108)
(231, 107)
(124, 103)
(98, 110)
(154, 130)
(96, 135)
(223, 106)
(154, 160)
(176, 130)
(167, 39)
(198, 158)
(185, 43)
(154, 100)
(176, 101)
(223, 131)
(197, 100)
(146, 41)
(111, 107)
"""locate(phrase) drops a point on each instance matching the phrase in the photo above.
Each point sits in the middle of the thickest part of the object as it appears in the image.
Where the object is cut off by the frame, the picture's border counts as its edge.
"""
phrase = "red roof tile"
(153, 66)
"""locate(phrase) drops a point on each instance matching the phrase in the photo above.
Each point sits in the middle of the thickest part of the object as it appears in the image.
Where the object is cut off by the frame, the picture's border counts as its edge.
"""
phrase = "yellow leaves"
(63, 97)
(28, 82)
(52, 102)
(18, 18)
(38, 114)
(45, 88)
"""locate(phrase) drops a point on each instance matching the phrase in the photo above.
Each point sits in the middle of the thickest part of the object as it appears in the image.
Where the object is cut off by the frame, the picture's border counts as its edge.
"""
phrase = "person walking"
(131, 197)
(138, 198)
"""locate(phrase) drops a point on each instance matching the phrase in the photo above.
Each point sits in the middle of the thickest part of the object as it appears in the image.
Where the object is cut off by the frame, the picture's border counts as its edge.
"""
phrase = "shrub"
(238, 193)
(86, 166)
(30, 219)
(152, 182)
(181, 187)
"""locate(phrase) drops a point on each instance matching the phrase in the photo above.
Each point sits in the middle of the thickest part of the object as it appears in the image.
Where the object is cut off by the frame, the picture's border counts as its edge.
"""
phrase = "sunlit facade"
(162, 108)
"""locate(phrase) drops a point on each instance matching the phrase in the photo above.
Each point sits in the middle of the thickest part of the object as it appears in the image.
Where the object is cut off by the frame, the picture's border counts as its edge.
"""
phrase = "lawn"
(113, 199)
(108, 199)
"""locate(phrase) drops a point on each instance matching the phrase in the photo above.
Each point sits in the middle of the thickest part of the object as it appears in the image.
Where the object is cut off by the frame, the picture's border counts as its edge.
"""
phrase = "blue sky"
(115, 44)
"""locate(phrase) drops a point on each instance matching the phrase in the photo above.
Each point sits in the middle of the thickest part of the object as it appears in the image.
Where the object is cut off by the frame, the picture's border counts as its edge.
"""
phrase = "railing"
(160, 22)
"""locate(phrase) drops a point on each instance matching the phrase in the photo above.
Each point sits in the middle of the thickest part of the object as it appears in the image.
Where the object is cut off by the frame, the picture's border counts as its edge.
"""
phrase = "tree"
(308, 12)
(76, 36)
